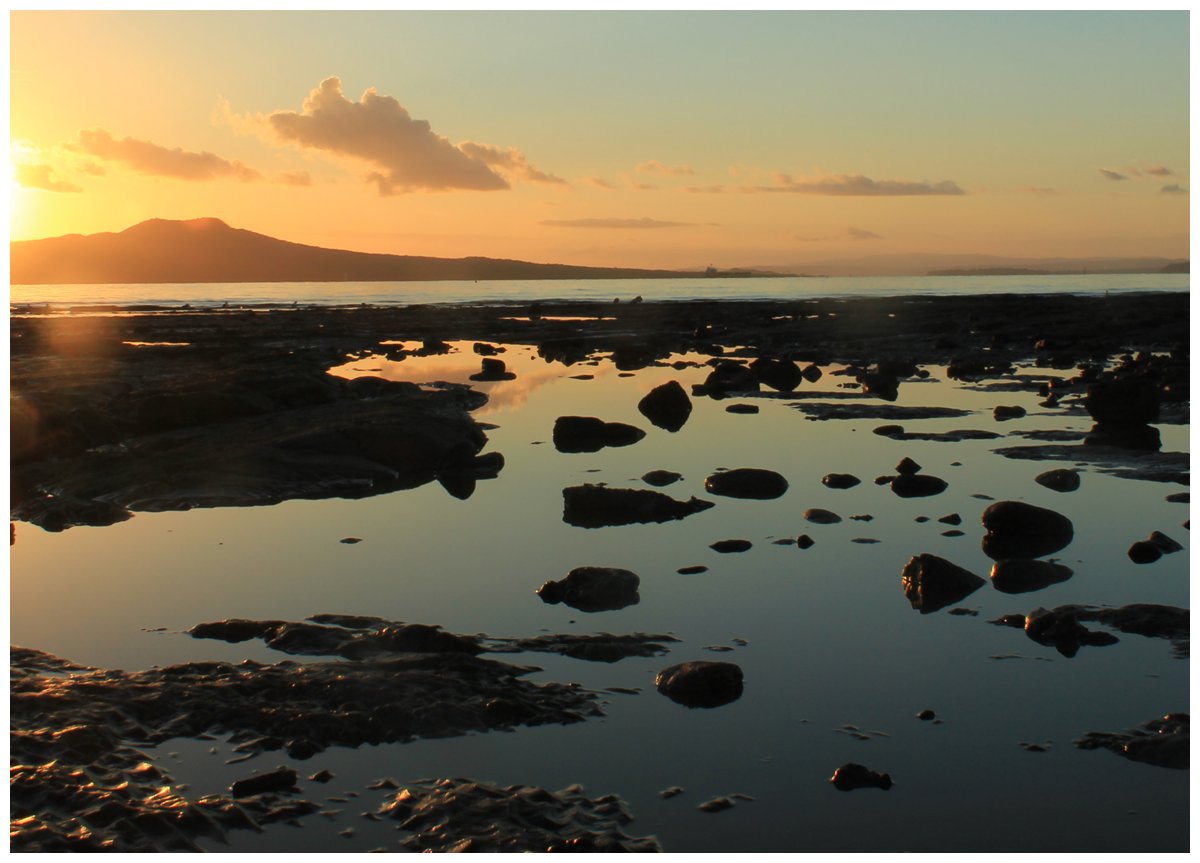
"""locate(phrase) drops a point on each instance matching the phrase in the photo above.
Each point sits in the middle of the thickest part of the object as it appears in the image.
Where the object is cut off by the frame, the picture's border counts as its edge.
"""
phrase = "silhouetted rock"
(907, 467)
(1062, 479)
(781, 375)
(486, 350)
(1123, 402)
(741, 408)
(1164, 742)
(660, 478)
(589, 434)
(821, 516)
(840, 480)
(493, 370)
(728, 376)
(931, 583)
(600, 506)
(279, 779)
(1060, 628)
(692, 570)
(1019, 575)
(811, 373)
(1008, 412)
(667, 406)
(805, 541)
(747, 482)
(917, 485)
(1021, 530)
(952, 518)
(1144, 551)
(593, 588)
(701, 684)
(851, 777)
(731, 546)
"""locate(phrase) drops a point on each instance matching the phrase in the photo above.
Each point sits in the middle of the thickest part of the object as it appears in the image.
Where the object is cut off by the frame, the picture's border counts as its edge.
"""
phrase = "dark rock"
(811, 373)
(805, 541)
(321, 776)
(1179, 497)
(602, 647)
(728, 377)
(907, 467)
(851, 777)
(863, 517)
(1131, 437)
(917, 485)
(931, 583)
(1018, 575)
(493, 370)
(781, 375)
(668, 793)
(926, 715)
(1144, 551)
(747, 482)
(840, 480)
(701, 684)
(691, 570)
(1164, 742)
(589, 434)
(1123, 402)
(952, 532)
(889, 430)
(350, 540)
(667, 406)
(593, 588)
(408, 638)
(1008, 412)
(953, 518)
(717, 804)
(1060, 628)
(821, 516)
(731, 546)
(1164, 543)
(486, 350)
(741, 408)
(279, 779)
(660, 478)
(1063, 480)
(1021, 530)
(599, 506)
(235, 630)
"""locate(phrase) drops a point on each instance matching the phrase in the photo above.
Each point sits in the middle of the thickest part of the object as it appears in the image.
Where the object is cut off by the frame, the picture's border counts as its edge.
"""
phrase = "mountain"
(922, 264)
(208, 250)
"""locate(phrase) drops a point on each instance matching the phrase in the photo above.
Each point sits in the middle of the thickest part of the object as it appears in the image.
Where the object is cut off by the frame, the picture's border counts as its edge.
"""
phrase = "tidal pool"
(837, 663)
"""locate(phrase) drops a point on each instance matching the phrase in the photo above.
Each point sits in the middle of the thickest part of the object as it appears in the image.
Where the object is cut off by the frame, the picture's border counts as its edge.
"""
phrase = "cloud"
(149, 158)
(510, 160)
(857, 185)
(1173, 189)
(1040, 190)
(1160, 171)
(861, 234)
(643, 187)
(705, 190)
(93, 169)
(42, 177)
(406, 153)
(656, 167)
(599, 183)
(295, 178)
(615, 223)
(1112, 175)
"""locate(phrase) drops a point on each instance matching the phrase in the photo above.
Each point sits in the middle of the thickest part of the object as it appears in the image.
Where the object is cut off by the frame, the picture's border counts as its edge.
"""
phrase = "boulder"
(931, 583)
(1062, 479)
(667, 406)
(589, 434)
(1021, 575)
(593, 588)
(279, 779)
(1060, 628)
(701, 683)
(1021, 530)
(600, 506)
(747, 482)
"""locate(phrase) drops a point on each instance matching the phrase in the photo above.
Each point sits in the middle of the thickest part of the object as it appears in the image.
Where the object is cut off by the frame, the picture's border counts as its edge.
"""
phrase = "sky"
(668, 139)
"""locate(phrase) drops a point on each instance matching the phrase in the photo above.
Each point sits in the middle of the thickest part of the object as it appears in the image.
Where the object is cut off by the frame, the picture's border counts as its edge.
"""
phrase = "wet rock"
(1021, 530)
(701, 683)
(667, 406)
(486, 350)
(493, 370)
(781, 375)
(747, 483)
(840, 480)
(600, 647)
(804, 541)
(660, 478)
(917, 485)
(593, 588)
(280, 779)
(589, 434)
(931, 583)
(821, 516)
(1060, 628)
(1128, 437)
(1003, 413)
(235, 630)
(888, 430)
(1143, 551)
(463, 815)
(321, 776)
(1179, 497)
(1059, 480)
(1018, 575)
(1164, 742)
(862, 517)
(731, 546)
(851, 777)
(741, 408)
(599, 506)
(351, 540)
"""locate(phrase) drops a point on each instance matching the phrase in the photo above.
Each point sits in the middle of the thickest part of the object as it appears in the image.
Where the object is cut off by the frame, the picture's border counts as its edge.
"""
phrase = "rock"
(931, 583)
(850, 777)
(691, 570)
(600, 506)
(1123, 402)
(668, 793)
(926, 715)
(667, 406)
(840, 480)
(589, 434)
(805, 541)
(1059, 480)
(350, 540)
(1144, 551)
(741, 408)
(781, 375)
(321, 776)
(917, 485)
(1021, 530)
(747, 482)
(821, 516)
(1164, 543)
(728, 376)
(493, 370)
(888, 430)
(486, 350)
(701, 683)
(593, 588)
(279, 779)
(1020, 575)
(660, 478)
(717, 804)
(1060, 628)
(952, 518)
(907, 467)
(1008, 412)
(811, 373)
(731, 546)
(1164, 742)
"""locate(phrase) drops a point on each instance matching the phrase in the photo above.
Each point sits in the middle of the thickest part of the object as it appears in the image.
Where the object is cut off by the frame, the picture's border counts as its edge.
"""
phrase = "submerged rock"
(1020, 575)
(851, 777)
(701, 683)
(589, 434)
(1021, 530)
(748, 483)
(1164, 742)
(593, 588)
(931, 583)
(599, 506)
(667, 406)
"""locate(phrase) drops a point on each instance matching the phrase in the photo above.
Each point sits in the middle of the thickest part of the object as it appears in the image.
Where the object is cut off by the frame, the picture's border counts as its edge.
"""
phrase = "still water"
(831, 640)
(698, 288)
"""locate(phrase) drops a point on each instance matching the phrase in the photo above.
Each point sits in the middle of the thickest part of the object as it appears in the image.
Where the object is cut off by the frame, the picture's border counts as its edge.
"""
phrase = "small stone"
(321, 776)
(691, 570)
(850, 777)
(350, 540)
(953, 518)
(741, 408)
(668, 793)
(717, 804)
(1008, 412)
(926, 715)
(1143, 551)
(805, 541)
(840, 480)
(1062, 480)
(821, 516)
(731, 546)
(907, 466)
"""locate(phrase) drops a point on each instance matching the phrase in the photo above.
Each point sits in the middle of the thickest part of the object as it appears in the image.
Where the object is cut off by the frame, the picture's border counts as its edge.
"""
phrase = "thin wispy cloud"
(1160, 171)
(1112, 175)
(146, 157)
(615, 223)
(656, 167)
(850, 233)
(643, 187)
(43, 177)
(862, 234)
(1040, 190)
(705, 190)
(295, 178)
(599, 183)
(1173, 189)
(857, 185)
